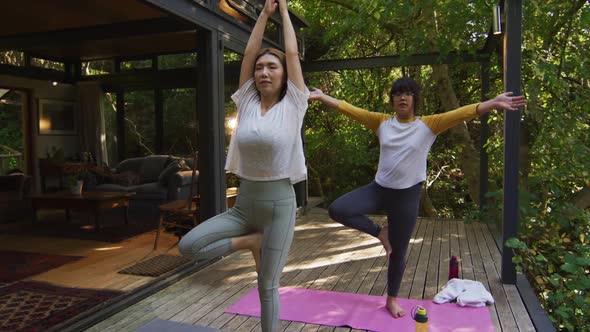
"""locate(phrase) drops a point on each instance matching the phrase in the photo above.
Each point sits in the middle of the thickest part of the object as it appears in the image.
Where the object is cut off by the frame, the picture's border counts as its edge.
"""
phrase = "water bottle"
(421, 319)
(453, 268)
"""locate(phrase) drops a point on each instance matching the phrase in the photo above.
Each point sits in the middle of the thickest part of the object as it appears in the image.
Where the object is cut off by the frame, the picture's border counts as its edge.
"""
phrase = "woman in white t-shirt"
(266, 153)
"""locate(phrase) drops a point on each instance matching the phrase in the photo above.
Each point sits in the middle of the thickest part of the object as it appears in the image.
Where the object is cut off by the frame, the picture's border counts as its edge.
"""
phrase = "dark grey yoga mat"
(160, 325)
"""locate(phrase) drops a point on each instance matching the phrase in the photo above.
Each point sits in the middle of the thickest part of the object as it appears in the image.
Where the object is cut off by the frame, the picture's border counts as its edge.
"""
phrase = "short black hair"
(406, 84)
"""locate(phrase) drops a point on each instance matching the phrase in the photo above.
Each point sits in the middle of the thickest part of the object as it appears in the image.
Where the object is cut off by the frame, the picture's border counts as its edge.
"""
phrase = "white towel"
(467, 293)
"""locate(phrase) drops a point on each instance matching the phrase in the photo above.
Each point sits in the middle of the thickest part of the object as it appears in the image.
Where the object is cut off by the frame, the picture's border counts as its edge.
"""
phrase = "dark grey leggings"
(401, 206)
(267, 206)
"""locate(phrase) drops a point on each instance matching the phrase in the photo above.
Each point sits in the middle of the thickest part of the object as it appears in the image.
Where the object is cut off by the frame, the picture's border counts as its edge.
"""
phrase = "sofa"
(154, 179)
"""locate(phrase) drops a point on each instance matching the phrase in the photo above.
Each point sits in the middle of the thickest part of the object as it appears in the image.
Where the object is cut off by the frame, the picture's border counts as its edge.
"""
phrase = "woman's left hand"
(507, 101)
(269, 7)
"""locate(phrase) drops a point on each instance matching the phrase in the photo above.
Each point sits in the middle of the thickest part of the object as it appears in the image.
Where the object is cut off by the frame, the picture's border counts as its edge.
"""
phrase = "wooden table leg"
(158, 231)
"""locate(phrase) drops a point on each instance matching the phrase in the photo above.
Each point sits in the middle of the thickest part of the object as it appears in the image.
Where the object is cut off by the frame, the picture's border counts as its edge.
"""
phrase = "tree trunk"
(469, 155)
(582, 199)
(426, 207)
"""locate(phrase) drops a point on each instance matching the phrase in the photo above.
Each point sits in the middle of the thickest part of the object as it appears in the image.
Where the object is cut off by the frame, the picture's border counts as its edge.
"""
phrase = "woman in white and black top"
(266, 153)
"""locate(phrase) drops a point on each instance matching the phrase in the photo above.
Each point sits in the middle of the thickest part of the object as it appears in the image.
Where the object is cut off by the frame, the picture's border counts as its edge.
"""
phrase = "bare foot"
(384, 238)
(255, 248)
(394, 308)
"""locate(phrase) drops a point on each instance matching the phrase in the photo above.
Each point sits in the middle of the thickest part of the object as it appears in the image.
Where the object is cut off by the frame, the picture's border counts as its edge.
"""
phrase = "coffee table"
(94, 202)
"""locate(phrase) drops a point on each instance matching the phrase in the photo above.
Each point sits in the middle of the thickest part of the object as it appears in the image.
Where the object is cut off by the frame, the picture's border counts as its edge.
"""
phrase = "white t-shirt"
(404, 149)
(269, 147)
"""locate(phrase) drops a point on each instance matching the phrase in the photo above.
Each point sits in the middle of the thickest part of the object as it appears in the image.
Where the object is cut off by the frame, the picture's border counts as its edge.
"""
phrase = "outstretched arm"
(505, 101)
(318, 95)
(441, 122)
(293, 65)
(371, 120)
(255, 42)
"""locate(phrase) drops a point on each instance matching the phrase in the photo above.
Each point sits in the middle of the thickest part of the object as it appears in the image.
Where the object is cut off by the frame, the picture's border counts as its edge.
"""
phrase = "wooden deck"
(327, 256)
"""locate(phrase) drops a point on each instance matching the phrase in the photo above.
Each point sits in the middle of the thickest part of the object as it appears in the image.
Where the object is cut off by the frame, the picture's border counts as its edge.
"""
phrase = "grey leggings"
(267, 206)
(402, 211)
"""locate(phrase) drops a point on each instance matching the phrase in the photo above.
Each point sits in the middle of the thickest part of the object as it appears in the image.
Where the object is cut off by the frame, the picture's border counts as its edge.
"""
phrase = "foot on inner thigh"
(394, 308)
(384, 238)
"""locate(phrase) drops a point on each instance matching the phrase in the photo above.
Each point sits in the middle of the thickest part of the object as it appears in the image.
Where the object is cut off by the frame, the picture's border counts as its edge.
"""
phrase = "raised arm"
(255, 42)
(293, 65)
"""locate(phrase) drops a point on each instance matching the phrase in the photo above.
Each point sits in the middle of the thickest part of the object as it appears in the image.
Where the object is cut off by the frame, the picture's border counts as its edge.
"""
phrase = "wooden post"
(512, 78)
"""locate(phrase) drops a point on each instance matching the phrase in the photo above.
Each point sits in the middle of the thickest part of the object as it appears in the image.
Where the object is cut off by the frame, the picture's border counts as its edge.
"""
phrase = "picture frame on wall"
(57, 117)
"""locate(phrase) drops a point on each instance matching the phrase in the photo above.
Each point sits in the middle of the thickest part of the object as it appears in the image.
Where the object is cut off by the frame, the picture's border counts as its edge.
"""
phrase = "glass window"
(183, 60)
(11, 132)
(181, 125)
(136, 64)
(43, 63)
(98, 67)
(231, 85)
(14, 58)
(140, 120)
(110, 121)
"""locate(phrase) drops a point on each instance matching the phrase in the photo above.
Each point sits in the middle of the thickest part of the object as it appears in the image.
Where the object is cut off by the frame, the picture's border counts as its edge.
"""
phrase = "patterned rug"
(35, 306)
(156, 266)
(18, 265)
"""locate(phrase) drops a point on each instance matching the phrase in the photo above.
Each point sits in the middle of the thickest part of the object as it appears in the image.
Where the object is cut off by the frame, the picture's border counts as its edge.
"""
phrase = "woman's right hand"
(269, 7)
(316, 94)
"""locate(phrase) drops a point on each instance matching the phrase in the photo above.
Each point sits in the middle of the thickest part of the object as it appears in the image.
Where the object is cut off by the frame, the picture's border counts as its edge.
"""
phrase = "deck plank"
(328, 256)
(419, 281)
(478, 270)
(519, 312)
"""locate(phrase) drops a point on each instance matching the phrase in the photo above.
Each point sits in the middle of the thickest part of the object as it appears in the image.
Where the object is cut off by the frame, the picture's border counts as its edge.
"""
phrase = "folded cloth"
(468, 293)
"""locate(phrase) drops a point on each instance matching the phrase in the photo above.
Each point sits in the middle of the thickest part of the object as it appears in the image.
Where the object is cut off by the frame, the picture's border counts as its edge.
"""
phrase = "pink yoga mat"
(365, 312)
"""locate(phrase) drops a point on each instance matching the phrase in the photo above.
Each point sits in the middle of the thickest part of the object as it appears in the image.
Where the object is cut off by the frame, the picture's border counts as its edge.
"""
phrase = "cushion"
(125, 178)
(131, 164)
(151, 167)
(172, 168)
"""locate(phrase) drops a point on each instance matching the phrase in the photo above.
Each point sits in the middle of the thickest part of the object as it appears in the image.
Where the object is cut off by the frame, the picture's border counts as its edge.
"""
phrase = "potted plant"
(74, 183)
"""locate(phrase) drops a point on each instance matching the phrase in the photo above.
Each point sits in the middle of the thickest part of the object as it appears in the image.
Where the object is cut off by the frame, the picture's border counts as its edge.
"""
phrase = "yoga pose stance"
(405, 140)
(266, 153)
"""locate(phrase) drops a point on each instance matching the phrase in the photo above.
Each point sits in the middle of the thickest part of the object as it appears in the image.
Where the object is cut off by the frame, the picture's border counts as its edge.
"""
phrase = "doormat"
(36, 306)
(156, 266)
(364, 312)
(18, 265)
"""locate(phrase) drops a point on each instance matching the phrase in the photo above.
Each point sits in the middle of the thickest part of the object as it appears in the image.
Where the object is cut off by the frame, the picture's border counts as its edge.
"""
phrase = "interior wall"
(42, 89)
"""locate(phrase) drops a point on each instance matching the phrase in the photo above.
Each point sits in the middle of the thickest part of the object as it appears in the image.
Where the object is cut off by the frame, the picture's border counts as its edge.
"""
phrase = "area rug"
(365, 312)
(160, 325)
(35, 306)
(156, 266)
(18, 265)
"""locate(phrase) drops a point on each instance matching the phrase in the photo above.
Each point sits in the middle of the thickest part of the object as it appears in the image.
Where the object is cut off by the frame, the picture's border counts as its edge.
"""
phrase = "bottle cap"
(421, 316)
